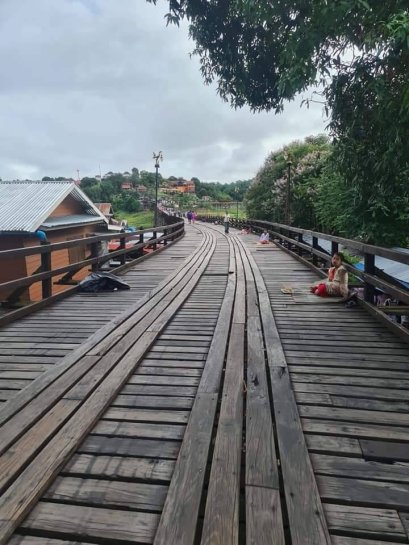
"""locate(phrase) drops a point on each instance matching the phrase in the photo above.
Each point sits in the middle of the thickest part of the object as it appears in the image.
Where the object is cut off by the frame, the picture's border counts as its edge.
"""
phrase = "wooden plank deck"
(217, 411)
(38, 342)
(350, 377)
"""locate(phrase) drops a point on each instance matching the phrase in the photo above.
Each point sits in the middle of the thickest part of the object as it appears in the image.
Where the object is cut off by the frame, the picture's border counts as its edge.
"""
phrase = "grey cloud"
(89, 82)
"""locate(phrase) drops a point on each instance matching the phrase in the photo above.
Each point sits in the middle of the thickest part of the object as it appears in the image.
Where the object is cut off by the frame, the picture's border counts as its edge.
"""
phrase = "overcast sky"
(104, 82)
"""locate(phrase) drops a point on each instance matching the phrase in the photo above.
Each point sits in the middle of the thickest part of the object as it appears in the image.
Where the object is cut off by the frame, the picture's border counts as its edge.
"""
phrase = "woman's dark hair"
(340, 255)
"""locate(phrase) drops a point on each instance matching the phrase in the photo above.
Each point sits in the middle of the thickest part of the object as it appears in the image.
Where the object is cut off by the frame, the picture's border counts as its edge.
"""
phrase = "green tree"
(266, 198)
(88, 182)
(135, 177)
(93, 192)
(126, 203)
(263, 53)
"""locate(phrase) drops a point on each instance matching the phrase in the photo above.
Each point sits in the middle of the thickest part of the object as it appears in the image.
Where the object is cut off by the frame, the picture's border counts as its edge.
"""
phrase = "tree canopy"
(266, 198)
(264, 52)
(233, 191)
(356, 52)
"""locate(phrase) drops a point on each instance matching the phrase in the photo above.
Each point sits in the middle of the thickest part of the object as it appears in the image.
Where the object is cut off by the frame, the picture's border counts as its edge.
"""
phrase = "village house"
(32, 213)
(106, 209)
(180, 186)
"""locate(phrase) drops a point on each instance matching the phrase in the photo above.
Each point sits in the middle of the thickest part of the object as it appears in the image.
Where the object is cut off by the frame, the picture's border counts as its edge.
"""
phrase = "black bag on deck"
(100, 281)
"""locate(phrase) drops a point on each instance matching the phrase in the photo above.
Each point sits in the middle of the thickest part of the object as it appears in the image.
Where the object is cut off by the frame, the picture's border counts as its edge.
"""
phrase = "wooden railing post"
(141, 241)
(334, 247)
(289, 245)
(280, 240)
(122, 246)
(300, 239)
(94, 253)
(315, 247)
(369, 290)
(165, 232)
(47, 283)
(155, 236)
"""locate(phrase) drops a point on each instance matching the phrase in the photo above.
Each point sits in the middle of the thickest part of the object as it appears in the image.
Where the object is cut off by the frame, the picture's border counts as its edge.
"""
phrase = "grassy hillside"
(137, 219)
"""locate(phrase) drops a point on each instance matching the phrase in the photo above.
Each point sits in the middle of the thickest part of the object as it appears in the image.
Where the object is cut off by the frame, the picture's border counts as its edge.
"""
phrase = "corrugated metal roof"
(74, 219)
(24, 206)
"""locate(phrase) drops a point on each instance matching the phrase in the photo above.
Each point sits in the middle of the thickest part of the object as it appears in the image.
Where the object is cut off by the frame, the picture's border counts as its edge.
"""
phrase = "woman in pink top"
(337, 283)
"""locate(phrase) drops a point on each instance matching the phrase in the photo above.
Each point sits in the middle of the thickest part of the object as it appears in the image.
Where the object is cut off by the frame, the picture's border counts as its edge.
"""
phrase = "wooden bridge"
(205, 406)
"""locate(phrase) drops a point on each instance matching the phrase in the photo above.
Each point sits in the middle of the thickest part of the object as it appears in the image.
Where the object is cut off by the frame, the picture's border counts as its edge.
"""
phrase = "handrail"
(171, 230)
(45, 248)
(362, 247)
(372, 277)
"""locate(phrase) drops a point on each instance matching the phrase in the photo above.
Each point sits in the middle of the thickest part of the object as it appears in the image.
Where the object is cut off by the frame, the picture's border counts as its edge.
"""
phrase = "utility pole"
(287, 200)
(158, 157)
(237, 203)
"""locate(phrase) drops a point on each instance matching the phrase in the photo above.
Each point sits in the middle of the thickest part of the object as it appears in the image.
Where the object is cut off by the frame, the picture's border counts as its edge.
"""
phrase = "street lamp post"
(237, 203)
(158, 157)
(287, 200)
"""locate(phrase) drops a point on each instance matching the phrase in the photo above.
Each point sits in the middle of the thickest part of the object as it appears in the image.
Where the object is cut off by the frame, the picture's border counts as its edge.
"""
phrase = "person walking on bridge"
(226, 221)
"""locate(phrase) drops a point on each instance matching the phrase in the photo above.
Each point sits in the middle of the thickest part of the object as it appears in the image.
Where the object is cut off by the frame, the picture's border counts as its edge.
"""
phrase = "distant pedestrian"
(265, 237)
(194, 216)
(189, 216)
(226, 221)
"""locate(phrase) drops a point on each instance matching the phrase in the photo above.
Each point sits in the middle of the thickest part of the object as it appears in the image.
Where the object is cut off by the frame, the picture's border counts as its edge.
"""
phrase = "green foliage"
(126, 203)
(266, 198)
(93, 192)
(138, 219)
(263, 53)
(233, 191)
(370, 123)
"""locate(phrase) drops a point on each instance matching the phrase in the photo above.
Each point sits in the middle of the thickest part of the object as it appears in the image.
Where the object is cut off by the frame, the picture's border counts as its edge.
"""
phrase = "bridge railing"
(10, 291)
(293, 240)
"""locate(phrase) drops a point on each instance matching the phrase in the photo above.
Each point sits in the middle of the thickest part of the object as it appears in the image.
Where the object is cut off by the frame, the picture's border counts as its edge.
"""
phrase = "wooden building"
(179, 186)
(106, 209)
(36, 212)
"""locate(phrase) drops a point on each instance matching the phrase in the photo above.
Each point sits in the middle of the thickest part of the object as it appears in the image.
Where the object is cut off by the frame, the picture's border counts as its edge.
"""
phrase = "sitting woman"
(337, 283)
(264, 238)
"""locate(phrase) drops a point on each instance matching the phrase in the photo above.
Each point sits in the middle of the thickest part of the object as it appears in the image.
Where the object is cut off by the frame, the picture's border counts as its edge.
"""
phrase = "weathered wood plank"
(365, 522)
(370, 431)
(306, 517)
(129, 446)
(107, 494)
(341, 540)
(261, 527)
(354, 415)
(146, 415)
(364, 492)
(34, 540)
(113, 428)
(90, 522)
(386, 451)
(157, 402)
(221, 520)
(119, 467)
(357, 468)
(179, 516)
